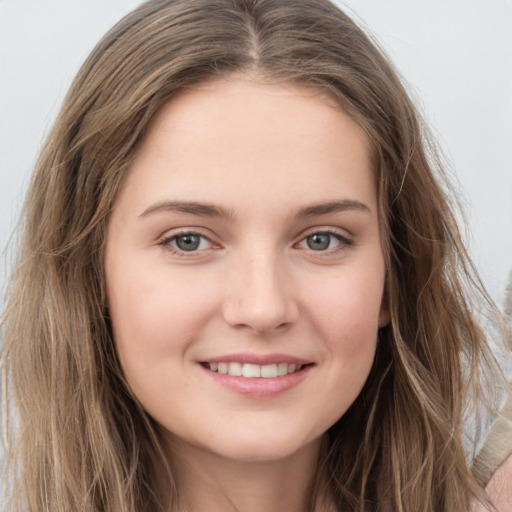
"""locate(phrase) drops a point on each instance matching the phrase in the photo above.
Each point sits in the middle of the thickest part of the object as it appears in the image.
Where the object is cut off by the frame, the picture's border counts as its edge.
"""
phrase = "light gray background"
(456, 56)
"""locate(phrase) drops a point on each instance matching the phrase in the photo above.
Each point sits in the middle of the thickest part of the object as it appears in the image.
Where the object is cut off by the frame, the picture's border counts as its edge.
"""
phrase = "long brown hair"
(79, 440)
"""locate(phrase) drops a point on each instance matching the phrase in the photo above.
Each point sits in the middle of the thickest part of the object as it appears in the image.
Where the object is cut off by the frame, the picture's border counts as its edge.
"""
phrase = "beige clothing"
(498, 444)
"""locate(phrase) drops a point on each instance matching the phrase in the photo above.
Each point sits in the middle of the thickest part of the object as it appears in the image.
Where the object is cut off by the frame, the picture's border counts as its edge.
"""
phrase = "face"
(244, 268)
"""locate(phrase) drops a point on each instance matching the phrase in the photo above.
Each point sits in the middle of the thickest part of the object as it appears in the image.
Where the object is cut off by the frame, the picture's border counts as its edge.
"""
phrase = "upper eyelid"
(177, 232)
(345, 242)
(167, 238)
(192, 230)
(342, 233)
(168, 243)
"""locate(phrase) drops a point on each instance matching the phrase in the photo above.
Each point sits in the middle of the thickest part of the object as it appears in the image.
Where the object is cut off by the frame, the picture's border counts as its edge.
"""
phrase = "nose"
(259, 295)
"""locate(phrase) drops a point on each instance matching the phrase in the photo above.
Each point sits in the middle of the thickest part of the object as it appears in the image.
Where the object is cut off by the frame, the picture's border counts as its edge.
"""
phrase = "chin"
(261, 447)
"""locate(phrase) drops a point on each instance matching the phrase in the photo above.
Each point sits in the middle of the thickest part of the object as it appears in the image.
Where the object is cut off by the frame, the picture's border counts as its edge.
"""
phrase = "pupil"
(318, 241)
(188, 242)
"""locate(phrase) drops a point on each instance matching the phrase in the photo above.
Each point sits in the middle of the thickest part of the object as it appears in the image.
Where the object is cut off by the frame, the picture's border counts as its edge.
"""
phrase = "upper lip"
(260, 359)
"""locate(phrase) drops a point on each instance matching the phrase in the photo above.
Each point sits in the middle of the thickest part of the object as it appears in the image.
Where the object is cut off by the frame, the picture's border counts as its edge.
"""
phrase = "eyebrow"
(211, 210)
(332, 207)
(190, 207)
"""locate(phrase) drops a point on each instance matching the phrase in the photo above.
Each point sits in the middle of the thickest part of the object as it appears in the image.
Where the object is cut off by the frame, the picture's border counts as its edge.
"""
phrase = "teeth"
(235, 369)
(269, 370)
(282, 369)
(251, 371)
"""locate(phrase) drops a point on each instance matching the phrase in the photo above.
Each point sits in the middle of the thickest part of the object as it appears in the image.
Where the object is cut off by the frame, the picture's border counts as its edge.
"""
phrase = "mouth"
(257, 376)
(254, 371)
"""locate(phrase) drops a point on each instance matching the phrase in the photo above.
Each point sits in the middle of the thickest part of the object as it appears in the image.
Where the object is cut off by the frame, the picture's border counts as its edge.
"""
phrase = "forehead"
(255, 140)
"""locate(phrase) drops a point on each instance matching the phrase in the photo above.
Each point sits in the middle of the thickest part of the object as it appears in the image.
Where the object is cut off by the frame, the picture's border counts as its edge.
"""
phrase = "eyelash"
(345, 242)
(167, 241)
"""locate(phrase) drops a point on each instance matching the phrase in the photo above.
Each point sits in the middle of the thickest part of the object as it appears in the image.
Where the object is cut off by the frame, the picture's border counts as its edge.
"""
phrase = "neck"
(209, 482)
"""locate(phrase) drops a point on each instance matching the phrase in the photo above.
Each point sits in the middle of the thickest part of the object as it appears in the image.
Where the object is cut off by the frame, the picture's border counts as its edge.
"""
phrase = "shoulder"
(495, 460)
(499, 488)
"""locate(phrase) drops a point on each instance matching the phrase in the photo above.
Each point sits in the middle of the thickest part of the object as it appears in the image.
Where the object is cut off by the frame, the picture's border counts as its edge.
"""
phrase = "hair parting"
(77, 438)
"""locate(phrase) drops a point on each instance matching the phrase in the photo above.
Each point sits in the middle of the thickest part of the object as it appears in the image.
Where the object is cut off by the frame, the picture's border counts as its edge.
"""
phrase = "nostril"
(260, 306)
(264, 330)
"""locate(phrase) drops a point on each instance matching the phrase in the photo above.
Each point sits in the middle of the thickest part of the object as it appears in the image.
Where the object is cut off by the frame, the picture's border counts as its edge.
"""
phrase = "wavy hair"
(79, 441)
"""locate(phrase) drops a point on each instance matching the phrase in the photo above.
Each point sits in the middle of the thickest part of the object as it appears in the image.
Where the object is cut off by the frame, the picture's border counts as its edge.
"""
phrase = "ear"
(384, 316)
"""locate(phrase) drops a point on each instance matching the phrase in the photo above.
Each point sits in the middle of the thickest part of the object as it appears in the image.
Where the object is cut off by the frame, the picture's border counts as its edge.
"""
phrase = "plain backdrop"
(456, 56)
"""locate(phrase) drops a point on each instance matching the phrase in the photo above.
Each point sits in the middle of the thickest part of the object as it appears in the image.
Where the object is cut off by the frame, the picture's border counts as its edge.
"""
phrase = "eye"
(319, 241)
(324, 241)
(186, 242)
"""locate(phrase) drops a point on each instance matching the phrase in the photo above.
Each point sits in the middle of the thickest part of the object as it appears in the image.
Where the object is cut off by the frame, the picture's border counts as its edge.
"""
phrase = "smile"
(257, 376)
(251, 371)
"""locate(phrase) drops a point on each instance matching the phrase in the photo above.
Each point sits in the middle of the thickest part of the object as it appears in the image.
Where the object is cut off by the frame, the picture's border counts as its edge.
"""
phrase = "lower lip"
(259, 387)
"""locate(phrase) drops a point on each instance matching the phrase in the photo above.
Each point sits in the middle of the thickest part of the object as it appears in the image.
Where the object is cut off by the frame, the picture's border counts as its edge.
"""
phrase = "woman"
(241, 286)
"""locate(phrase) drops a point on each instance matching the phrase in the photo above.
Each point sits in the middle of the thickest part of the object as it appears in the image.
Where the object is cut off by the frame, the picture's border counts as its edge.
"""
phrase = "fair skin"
(500, 487)
(246, 240)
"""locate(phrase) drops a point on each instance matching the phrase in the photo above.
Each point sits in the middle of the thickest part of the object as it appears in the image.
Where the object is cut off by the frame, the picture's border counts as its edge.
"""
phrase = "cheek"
(154, 314)
(347, 309)
(345, 314)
